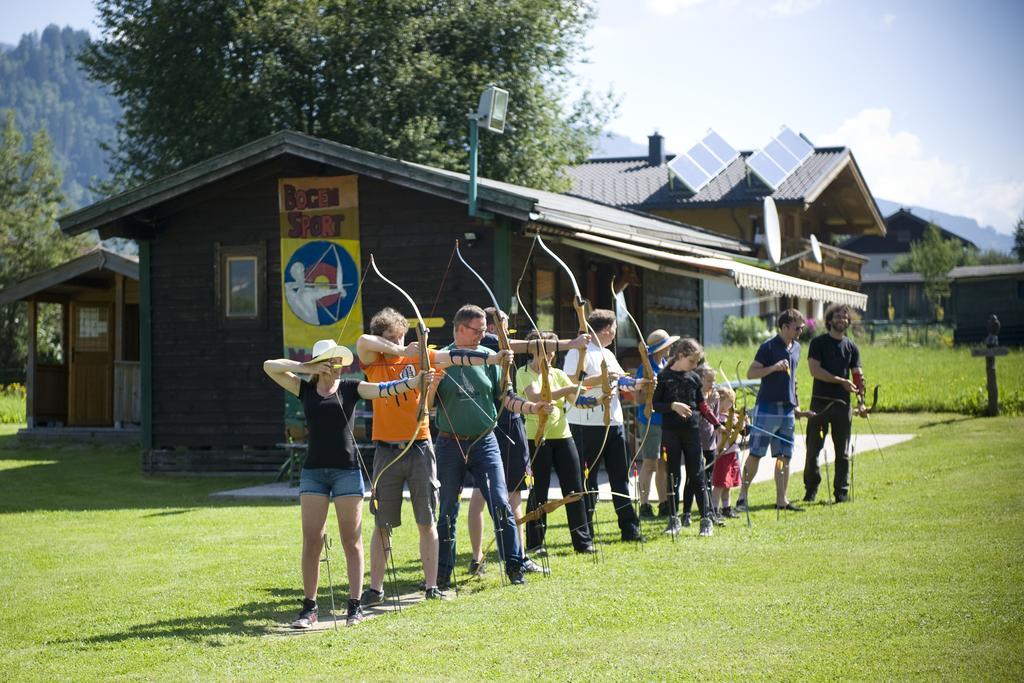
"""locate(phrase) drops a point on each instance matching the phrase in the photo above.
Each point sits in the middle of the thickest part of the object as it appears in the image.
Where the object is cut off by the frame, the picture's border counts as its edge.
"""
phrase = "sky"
(926, 93)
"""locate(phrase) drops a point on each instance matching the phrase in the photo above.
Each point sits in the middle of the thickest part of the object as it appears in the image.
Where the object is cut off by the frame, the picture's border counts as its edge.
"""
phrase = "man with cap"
(659, 346)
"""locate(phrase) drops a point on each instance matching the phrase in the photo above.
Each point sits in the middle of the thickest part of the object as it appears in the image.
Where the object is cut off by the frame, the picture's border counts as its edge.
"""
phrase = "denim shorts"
(775, 424)
(332, 482)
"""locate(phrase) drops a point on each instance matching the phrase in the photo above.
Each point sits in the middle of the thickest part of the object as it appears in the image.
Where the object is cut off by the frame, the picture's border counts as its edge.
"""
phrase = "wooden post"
(118, 346)
(30, 369)
(989, 354)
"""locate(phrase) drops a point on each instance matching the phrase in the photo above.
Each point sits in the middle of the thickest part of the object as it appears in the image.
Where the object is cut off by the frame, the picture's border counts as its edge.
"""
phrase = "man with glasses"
(468, 398)
(777, 407)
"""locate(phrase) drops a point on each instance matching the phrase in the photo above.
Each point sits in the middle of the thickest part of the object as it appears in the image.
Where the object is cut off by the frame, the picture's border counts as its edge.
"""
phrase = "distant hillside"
(984, 237)
(614, 145)
(41, 81)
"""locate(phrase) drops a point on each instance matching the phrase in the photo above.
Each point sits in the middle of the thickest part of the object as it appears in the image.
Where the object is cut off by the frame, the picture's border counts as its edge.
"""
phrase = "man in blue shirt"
(776, 408)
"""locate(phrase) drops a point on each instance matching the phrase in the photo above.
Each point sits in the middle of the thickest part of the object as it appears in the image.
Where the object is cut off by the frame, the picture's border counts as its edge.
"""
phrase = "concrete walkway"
(862, 443)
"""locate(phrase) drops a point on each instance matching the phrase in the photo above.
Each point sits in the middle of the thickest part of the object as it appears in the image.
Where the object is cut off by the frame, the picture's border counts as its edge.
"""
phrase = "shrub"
(748, 330)
(12, 404)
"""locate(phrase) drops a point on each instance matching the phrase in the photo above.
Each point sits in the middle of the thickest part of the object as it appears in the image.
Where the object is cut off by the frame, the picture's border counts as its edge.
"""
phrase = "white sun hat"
(325, 349)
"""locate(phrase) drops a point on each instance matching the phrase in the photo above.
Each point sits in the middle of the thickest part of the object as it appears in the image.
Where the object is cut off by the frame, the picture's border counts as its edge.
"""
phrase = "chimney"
(655, 149)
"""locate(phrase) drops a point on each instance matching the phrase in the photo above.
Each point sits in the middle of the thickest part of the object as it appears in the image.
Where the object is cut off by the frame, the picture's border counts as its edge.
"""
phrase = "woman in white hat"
(332, 467)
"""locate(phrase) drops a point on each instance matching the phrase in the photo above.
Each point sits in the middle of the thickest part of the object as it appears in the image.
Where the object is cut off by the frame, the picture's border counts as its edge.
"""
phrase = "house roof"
(635, 182)
(893, 242)
(99, 259)
(514, 201)
(1000, 270)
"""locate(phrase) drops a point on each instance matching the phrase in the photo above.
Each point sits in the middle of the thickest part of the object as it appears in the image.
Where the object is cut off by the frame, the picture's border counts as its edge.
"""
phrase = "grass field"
(107, 573)
(921, 379)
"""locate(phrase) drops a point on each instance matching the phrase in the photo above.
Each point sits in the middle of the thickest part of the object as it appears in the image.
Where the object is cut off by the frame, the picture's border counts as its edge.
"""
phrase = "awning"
(741, 274)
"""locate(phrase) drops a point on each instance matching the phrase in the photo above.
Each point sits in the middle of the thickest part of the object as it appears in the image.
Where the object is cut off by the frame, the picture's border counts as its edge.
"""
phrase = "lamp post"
(491, 116)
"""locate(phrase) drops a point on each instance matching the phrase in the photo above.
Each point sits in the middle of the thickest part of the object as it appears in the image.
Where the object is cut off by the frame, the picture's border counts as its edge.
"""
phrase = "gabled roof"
(634, 182)
(98, 259)
(997, 270)
(514, 201)
(903, 227)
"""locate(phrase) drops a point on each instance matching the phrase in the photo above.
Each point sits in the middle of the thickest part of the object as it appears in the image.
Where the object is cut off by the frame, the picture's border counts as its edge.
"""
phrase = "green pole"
(474, 136)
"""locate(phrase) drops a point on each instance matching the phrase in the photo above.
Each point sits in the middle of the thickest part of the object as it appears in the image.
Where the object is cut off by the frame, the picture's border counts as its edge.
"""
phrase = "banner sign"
(320, 269)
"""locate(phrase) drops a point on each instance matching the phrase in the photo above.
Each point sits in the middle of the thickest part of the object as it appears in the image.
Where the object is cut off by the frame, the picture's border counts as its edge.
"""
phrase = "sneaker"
(842, 498)
(308, 616)
(706, 527)
(790, 507)
(516, 576)
(371, 597)
(355, 613)
(741, 505)
(646, 511)
(531, 567)
(809, 497)
(674, 526)
(433, 594)
(729, 513)
(686, 519)
(718, 519)
(477, 568)
(538, 551)
(587, 549)
(663, 510)
(633, 535)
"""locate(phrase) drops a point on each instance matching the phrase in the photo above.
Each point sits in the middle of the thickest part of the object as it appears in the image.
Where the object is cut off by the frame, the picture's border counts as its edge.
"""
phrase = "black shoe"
(478, 568)
(729, 513)
(718, 519)
(587, 549)
(531, 567)
(355, 613)
(516, 576)
(790, 507)
(810, 496)
(443, 583)
(741, 505)
(646, 511)
(308, 616)
(433, 594)
(633, 535)
(371, 597)
(537, 551)
(842, 498)
(663, 510)
(686, 519)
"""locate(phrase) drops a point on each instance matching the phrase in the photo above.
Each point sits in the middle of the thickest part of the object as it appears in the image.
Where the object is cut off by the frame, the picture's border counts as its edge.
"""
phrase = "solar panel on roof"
(690, 173)
(702, 162)
(766, 169)
(783, 154)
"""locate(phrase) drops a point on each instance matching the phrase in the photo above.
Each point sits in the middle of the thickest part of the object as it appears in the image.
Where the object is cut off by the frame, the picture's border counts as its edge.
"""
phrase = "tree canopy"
(1018, 239)
(397, 77)
(30, 200)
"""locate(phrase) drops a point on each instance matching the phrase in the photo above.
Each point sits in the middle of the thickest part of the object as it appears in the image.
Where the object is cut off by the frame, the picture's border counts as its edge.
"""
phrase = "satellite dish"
(816, 250)
(772, 238)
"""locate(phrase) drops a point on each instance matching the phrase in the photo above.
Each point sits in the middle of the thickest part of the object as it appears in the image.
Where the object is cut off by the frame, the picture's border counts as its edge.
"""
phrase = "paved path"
(862, 443)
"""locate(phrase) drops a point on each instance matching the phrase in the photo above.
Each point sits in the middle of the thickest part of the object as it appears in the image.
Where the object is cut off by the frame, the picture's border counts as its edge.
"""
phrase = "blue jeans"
(484, 463)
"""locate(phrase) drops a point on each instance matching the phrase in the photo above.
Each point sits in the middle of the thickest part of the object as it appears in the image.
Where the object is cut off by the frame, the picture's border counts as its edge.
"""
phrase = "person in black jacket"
(679, 396)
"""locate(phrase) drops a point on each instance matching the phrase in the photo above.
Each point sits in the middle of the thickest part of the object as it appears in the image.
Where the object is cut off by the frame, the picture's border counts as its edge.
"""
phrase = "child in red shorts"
(726, 472)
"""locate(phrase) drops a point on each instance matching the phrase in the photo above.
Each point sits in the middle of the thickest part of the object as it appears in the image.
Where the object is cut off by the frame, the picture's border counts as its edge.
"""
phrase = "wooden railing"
(127, 393)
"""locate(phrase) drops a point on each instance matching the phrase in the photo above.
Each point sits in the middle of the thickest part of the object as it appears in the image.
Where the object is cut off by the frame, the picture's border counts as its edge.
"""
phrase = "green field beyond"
(107, 573)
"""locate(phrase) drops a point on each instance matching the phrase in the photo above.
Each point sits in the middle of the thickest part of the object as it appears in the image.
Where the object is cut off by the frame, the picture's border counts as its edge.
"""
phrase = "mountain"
(983, 237)
(44, 85)
(614, 145)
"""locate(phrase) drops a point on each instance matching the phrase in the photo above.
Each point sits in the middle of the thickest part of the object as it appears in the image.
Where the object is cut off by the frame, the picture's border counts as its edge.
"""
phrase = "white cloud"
(667, 7)
(791, 7)
(897, 167)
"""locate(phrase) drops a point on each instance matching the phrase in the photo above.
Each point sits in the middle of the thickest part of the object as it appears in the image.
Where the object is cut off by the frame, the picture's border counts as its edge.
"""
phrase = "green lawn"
(107, 573)
(912, 379)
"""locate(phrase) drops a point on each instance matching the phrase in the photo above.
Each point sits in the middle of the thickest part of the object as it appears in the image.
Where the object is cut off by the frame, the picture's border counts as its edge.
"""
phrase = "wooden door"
(90, 389)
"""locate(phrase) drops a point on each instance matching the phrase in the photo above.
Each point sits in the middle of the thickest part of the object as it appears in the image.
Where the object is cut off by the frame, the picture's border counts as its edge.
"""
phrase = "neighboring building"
(826, 196)
(902, 229)
(92, 382)
(216, 300)
(979, 291)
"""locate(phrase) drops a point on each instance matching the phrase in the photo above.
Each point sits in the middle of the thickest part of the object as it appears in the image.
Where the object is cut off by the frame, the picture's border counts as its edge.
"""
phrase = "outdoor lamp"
(491, 114)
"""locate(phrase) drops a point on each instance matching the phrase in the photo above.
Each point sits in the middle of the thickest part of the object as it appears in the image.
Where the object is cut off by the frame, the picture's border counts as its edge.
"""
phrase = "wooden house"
(216, 294)
(91, 384)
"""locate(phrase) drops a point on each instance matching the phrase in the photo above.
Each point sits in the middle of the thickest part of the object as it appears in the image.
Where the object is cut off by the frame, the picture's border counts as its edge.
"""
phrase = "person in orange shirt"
(384, 358)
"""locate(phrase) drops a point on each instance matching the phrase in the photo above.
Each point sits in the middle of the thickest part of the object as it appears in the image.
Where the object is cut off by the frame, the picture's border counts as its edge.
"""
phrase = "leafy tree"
(1018, 239)
(988, 257)
(933, 257)
(48, 89)
(396, 77)
(30, 200)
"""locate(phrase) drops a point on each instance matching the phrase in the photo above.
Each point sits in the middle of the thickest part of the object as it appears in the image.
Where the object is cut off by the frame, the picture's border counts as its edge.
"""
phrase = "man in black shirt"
(834, 361)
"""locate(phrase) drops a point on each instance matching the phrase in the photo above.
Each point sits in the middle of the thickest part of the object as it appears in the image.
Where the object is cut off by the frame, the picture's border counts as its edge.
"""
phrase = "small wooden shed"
(94, 380)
